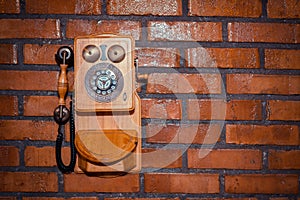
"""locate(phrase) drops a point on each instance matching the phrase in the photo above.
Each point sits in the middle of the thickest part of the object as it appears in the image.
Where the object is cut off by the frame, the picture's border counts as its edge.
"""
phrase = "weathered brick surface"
(280, 159)
(81, 27)
(283, 110)
(83, 7)
(262, 134)
(173, 183)
(218, 109)
(28, 130)
(8, 54)
(60, 198)
(28, 182)
(29, 28)
(222, 58)
(28, 80)
(39, 105)
(184, 83)
(222, 199)
(10, 7)
(158, 57)
(243, 8)
(263, 32)
(161, 108)
(9, 156)
(31, 80)
(283, 9)
(224, 159)
(183, 133)
(81, 183)
(282, 59)
(175, 198)
(184, 31)
(262, 84)
(161, 158)
(39, 54)
(144, 7)
(265, 184)
(8, 198)
(8, 106)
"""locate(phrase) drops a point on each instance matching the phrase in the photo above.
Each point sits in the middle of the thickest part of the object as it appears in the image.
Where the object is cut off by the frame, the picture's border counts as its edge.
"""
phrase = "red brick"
(40, 54)
(144, 7)
(8, 105)
(60, 198)
(264, 184)
(262, 84)
(182, 183)
(9, 156)
(206, 109)
(280, 159)
(279, 198)
(161, 108)
(183, 133)
(283, 110)
(44, 156)
(28, 182)
(8, 198)
(30, 28)
(263, 32)
(221, 199)
(84, 7)
(225, 158)
(243, 8)
(175, 198)
(185, 31)
(40, 105)
(158, 57)
(87, 27)
(82, 183)
(28, 80)
(11, 7)
(283, 9)
(161, 158)
(27, 130)
(282, 59)
(8, 54)
(265, 135)
(222, 58)
(170, 83)
(31, 80)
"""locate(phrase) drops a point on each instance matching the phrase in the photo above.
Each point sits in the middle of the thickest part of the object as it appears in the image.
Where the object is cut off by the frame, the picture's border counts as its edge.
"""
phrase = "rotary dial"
(104, 82)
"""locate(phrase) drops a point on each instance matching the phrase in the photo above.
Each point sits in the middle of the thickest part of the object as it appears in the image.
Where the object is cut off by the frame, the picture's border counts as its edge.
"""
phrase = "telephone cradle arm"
(62, 114)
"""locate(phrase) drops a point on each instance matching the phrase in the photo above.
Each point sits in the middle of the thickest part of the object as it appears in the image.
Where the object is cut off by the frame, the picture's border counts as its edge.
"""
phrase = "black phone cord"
(59, 140)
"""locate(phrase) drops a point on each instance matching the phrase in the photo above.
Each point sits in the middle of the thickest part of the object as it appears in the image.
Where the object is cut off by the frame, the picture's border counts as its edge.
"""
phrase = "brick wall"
(238, 62)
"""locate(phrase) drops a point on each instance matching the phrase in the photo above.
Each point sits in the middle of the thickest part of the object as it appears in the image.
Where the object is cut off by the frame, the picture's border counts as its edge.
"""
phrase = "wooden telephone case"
(107, 107)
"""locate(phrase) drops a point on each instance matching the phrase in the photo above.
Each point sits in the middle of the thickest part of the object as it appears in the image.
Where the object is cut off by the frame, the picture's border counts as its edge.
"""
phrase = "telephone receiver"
(104, 106)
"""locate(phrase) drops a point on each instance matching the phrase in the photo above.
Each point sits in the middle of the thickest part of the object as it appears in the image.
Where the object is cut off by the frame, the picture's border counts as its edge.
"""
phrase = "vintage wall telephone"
(106, 109)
